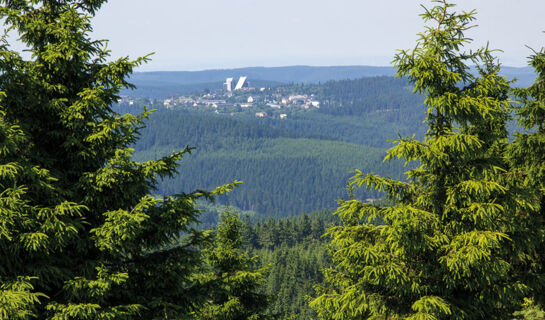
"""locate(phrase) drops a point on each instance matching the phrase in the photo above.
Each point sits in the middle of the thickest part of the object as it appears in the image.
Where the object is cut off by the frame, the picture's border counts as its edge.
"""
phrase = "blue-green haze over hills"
(292, 165)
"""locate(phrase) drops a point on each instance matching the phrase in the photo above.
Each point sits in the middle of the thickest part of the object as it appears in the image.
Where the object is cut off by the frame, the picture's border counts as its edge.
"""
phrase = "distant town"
(238, 97)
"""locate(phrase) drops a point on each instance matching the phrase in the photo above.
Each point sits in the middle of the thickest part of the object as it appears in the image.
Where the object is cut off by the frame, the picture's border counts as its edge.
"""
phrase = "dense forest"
(295, 165)
(284, 172)
(96, 225)
(363, 96)
(294, 251)
(367, 111)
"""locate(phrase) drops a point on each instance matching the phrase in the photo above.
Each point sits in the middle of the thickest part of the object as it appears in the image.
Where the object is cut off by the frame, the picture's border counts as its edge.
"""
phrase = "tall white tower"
(228, 85)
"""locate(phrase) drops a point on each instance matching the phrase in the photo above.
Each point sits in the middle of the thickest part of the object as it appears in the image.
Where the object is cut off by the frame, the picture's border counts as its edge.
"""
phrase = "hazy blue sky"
(204, 34)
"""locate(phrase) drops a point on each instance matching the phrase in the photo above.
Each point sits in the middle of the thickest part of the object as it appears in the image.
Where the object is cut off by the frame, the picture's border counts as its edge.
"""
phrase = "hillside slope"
(284, 173)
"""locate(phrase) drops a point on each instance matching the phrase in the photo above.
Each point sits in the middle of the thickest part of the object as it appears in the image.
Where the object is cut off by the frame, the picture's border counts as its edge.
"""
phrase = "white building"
(228, 85)
(272, 105)
(298, 99)
(242, 83)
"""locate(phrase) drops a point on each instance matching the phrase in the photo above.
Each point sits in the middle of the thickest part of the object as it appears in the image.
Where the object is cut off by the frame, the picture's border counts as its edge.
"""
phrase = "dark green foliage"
(292, 165)
(284, 172)
(233, 279)
(295, 252)
(295, 270)
(376, 110)
(367, 111)
(374, 130)
(362, 97)
(527, 156)
(452, 244)
(80, 236)
(207, 131)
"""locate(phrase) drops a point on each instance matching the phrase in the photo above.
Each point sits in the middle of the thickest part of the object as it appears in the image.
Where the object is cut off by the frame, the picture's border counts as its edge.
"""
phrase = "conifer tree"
(80, 235)
(445, 249)
(234, 278)
(527, 157)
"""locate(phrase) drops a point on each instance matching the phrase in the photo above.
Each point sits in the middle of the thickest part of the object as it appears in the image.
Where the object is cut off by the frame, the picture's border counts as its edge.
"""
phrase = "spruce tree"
(233, 277)
(80, 235)
(527, 158)
(446, 248)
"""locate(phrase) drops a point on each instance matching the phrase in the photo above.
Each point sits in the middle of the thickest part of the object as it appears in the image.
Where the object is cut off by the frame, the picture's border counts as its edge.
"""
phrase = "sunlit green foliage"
(452, 245)
(527, 156)
(80, 236)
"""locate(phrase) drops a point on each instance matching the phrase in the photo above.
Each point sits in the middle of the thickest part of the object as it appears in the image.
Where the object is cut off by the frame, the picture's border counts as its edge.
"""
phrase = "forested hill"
(367, 95)
(160, 84)
(284, 173)
(165, 83)
(207, 132)
(290, 74)
(163, 87)
(367, 111)
(294, 165)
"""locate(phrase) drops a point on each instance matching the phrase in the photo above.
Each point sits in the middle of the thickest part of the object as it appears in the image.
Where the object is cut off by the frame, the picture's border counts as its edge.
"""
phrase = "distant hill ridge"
(297, 74)
(160, 84)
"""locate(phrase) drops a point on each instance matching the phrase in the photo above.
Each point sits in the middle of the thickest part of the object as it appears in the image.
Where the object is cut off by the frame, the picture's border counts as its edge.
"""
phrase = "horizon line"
(286, 66)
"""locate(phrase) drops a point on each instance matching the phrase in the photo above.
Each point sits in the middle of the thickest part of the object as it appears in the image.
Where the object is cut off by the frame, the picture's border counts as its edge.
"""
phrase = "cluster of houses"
(206, 100)
(265, 114)
(240, 97)
(243, 97)
(259, 100)
(126, 100)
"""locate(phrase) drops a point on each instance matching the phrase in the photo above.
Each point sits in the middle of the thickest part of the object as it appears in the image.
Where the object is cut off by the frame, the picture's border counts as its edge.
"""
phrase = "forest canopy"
(83, 234)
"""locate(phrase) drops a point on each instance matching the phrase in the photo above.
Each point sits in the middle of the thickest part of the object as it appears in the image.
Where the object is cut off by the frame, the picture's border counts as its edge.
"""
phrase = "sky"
(222, 34)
